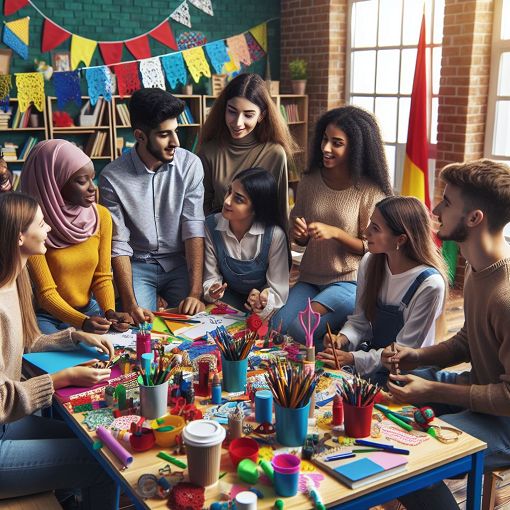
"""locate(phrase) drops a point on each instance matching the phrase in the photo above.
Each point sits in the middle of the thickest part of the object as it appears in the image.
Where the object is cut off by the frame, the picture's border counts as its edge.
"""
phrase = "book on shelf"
(16, 177)
(30, 142)
(283, 111)
(102, 135)
(186, 117)
(5, 117)
(291, 112)
(123, 114)
(367, 469)
(9, 151)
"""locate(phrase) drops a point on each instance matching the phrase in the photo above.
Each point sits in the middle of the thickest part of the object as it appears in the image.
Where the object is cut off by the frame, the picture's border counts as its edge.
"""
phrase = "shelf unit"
(20, 135)
(188, 131)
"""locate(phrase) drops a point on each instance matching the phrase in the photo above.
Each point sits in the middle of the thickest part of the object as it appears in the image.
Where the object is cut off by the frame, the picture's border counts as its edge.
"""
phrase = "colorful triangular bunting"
(12, 6)
(196, 62)
(175, 69)
(16, 36)
(67, 88)
(139, 47)
(128, 79)
(111, 52)
(30, 90)
(260, 34)
(163, 33)
(53, 35)
(82, 50)
(181, 15)
(203, 5)
(152, 74)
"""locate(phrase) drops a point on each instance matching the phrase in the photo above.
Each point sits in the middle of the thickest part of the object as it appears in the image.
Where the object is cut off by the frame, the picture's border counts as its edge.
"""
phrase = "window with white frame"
(381, 60)
(497, 128)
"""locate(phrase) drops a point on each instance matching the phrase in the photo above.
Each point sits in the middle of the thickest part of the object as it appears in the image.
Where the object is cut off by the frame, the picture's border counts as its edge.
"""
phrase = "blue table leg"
(474, 486)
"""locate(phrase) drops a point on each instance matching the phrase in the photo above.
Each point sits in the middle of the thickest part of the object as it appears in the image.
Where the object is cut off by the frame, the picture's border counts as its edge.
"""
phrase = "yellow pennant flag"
(81, 50)
(231, 66)
(196, 62)
(239, 49)
(20, 28)
(260, 34)
(30, 90)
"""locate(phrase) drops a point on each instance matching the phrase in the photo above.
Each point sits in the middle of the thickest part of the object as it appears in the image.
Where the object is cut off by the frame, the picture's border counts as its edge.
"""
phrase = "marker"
(399, 422)
(172, 460)
(382, 446)
(339, 456)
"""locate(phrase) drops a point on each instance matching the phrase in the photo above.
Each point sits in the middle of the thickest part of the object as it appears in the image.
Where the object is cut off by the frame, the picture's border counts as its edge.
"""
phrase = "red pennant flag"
(163, 33)
(128, 79)
(52, 36)
(111, 52)
(139, 47)
(12, 6)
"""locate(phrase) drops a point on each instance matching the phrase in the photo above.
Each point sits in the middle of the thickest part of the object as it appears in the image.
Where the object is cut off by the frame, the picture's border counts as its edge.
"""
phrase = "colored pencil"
(333, 346)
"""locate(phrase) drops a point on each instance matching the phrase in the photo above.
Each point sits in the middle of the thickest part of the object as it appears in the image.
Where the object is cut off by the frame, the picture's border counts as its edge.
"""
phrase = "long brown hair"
(272, 128)
(17, 212)
(403, 215)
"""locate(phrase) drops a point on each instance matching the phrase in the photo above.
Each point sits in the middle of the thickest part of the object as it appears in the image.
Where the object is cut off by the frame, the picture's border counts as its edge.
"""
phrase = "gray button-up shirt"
(154, 212)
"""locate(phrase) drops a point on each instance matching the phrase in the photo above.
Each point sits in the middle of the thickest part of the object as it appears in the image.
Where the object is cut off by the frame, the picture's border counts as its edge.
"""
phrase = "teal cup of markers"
(234, 375)
(153, 400)
(286, 474)
(357, 420)
(291, 424)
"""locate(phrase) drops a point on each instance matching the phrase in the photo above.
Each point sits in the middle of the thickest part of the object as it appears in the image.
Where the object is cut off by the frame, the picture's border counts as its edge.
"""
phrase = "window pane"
(438, 21)
(413, 11)
(390, 22)
(502, 129)
(364, 102)
(386, 113)
(364, 24)
(436, 69)
(407, 71)
(433, 120)
(363, 71)
(505, 20)
(403, 119)
(390, 156)
(504, 75)
(387, 71)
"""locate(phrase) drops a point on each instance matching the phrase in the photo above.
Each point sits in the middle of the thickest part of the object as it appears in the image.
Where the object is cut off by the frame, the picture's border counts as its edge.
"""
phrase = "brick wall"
(464, 85)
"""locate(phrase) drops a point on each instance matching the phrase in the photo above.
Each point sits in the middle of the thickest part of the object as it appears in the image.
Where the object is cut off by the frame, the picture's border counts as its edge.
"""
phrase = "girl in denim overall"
(246, 252)
(401, 289)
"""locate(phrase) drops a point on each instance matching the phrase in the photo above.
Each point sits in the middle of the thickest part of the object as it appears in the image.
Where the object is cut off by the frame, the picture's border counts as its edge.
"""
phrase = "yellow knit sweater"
(65, 278)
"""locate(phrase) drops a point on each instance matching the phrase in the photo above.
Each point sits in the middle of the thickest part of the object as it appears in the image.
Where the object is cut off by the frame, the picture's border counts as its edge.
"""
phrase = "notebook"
(365, 470)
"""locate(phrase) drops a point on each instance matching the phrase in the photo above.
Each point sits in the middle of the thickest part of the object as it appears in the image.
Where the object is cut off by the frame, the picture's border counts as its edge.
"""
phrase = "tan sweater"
(19, 399)
(326, 261)
(484, 339)
(222, 163)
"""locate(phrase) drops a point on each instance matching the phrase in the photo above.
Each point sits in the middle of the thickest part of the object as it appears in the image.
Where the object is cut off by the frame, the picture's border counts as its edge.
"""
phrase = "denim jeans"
(40, 454)
(339, 298)
(49, 324)
(151, 280)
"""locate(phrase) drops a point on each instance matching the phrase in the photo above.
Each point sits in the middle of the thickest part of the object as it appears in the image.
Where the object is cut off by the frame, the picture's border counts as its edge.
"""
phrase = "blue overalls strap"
(217, 238)
(416, 284)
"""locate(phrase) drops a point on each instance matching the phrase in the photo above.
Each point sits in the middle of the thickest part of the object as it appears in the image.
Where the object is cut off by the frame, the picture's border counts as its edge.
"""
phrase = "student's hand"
(414, 389)
(140, 315)
(344, 358)
(339, 341)
(406, 358)
(300, 231)
(120, 320)
(80, 376)
(320, 231)
(96, 324)
(191, 305)
(97, 341)
(217, 290)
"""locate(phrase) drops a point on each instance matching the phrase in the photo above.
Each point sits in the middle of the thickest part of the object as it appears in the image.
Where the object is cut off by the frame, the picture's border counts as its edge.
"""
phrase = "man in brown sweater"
(474, 211)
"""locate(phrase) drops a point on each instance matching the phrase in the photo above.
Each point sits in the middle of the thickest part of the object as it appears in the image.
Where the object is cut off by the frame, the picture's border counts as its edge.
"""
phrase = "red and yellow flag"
(415, 178)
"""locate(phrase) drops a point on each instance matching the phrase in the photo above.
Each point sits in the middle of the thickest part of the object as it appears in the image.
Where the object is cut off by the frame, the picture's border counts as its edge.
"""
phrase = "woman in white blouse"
(401, 289)
(246, 248)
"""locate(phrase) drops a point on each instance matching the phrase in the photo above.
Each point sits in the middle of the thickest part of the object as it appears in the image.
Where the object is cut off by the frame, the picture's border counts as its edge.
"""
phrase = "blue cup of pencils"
(291, 424)
(234, 374)
(154, 400)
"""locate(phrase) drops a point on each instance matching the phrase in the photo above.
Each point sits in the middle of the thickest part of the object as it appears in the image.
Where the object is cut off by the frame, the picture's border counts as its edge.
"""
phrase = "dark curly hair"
(366, 152)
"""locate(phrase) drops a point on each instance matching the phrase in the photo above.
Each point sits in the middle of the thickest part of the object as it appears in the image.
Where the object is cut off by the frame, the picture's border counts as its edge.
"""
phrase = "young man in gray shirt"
(155, 195)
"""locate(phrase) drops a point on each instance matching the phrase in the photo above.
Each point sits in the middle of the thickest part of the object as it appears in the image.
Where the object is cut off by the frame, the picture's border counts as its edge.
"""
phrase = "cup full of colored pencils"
(234, 357)
(358, 396)
(292, 388)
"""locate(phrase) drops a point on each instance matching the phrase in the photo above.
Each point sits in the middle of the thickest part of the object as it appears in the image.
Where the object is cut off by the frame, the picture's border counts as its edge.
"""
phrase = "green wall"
(113, 20)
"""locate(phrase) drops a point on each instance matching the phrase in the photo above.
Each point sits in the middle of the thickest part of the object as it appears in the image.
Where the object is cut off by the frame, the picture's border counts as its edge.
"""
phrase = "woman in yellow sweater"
(73, 280)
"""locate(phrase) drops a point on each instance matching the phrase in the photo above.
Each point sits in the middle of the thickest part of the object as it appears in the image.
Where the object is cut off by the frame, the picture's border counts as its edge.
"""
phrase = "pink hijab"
(49, 166)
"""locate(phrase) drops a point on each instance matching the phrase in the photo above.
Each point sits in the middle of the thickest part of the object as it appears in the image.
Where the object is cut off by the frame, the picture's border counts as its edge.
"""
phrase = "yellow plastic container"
(168, 438)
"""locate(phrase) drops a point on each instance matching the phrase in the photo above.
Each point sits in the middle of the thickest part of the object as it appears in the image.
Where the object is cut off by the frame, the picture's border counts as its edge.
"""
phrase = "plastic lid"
(246, 498)
(263, 394)
(203, 433)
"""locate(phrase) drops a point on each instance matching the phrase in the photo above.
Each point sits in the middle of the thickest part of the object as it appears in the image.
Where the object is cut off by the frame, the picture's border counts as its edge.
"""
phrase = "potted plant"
(298, 75)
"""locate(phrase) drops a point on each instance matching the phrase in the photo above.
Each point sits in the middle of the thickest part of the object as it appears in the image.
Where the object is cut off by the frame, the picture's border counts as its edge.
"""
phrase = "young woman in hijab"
(73, 280)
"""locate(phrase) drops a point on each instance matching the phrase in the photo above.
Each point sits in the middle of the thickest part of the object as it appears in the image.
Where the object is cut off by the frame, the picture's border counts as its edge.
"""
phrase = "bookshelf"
(190, 122)
(20, 132)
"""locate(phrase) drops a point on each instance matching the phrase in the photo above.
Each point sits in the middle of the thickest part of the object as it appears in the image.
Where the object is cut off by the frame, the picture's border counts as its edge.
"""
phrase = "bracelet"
(453, 435)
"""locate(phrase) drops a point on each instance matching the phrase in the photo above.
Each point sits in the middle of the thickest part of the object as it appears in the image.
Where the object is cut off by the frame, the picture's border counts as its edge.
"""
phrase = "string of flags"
(222, 56)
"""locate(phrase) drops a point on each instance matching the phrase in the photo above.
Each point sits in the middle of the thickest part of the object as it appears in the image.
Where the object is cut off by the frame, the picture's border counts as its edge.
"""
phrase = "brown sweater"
(484, 340)
(19, 399)
(326, 261)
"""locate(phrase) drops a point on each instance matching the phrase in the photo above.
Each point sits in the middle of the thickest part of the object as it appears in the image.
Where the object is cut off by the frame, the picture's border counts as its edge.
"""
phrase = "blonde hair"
(403, 215)
(17, 212)
(272, 128)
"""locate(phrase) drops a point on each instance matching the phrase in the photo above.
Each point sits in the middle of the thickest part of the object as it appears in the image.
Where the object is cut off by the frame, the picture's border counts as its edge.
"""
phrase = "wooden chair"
(42, 501)
(490, 482)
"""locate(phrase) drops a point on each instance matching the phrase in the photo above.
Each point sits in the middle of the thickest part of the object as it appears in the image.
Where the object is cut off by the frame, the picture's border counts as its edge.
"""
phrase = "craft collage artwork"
(191, 54)
(184, 386)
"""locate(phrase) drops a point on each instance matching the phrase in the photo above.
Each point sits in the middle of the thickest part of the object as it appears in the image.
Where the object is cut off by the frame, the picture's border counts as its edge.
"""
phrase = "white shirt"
(248, 248)
(419, 316)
